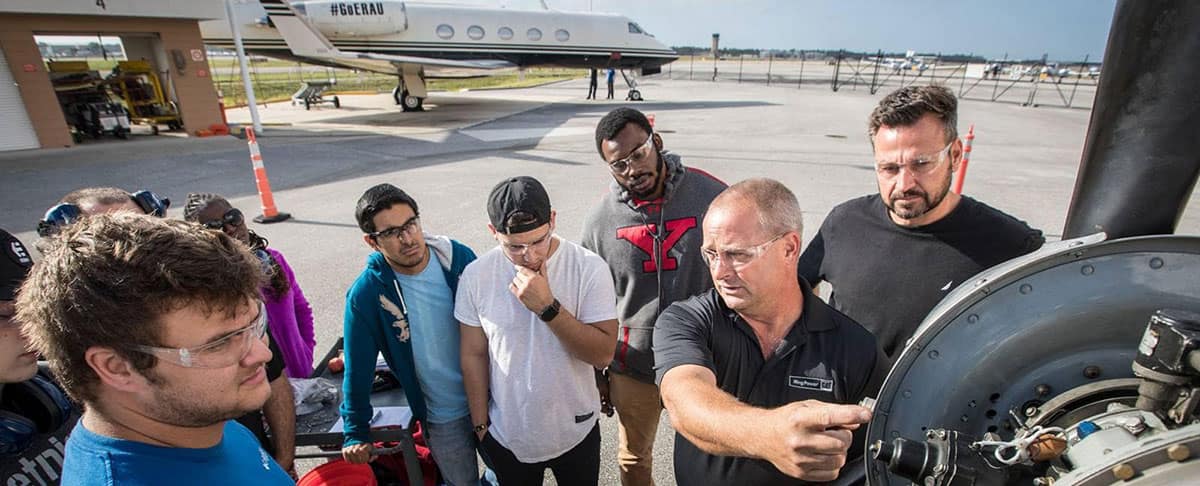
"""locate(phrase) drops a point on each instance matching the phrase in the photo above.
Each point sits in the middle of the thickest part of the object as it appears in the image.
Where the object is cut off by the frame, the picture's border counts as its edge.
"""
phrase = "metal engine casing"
(1016, 336)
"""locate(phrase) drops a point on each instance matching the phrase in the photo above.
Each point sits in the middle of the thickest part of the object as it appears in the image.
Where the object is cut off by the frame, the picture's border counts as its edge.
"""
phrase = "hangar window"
(634, 29)
(445, 31)
(534, 34)
(505, 33)
(475, 32)
(562, 35)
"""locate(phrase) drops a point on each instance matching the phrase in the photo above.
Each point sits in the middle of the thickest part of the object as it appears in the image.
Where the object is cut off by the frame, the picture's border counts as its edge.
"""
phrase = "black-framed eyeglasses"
(409, 228)
(233, 217)
(637, 156)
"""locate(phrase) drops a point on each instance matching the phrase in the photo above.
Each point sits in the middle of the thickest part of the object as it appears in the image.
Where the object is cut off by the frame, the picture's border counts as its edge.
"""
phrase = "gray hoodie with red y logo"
(653, 251)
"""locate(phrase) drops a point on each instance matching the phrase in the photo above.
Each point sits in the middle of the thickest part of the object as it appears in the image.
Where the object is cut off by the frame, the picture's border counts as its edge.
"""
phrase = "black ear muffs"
(151, 203)
(64, 214)
(36, 406)
(16, 433)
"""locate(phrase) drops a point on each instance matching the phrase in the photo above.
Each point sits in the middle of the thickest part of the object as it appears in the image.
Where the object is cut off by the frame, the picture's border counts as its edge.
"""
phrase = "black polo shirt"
(826, 356)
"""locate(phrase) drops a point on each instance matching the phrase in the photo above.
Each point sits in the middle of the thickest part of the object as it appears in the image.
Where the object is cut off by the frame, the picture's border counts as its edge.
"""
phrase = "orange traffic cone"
(269, 213)
(962, 168)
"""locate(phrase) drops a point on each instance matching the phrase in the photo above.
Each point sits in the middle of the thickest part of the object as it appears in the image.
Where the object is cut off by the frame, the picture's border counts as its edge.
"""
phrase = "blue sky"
(1065, 29)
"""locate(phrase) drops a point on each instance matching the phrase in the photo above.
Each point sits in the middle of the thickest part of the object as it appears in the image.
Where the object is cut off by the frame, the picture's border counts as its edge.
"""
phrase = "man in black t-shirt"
(758, 374)
(892, 256)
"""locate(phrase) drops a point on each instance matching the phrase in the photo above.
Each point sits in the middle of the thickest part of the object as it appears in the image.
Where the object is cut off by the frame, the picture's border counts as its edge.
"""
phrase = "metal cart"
(318, 434)
(138, 86)
(313, 93)
(85, 102)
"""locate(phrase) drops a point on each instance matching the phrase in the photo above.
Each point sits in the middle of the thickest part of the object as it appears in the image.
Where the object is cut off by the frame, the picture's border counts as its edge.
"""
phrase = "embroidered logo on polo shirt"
(810, 383)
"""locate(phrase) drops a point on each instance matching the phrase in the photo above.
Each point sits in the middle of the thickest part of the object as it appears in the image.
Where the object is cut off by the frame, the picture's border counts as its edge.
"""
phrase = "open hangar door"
(111, 88)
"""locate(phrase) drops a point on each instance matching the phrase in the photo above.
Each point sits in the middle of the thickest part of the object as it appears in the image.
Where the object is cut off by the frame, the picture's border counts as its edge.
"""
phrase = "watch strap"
(550, 312)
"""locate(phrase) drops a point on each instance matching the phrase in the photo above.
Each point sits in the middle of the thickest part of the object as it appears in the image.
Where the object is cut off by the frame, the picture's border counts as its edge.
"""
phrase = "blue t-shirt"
(237, 459)
(435, 338)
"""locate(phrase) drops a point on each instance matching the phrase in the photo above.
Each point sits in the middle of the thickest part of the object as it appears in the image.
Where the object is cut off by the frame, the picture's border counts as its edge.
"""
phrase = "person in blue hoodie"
(402, 305)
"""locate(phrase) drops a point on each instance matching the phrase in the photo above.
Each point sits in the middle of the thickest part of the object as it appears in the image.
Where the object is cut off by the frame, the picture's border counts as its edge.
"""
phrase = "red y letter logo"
(642, 237)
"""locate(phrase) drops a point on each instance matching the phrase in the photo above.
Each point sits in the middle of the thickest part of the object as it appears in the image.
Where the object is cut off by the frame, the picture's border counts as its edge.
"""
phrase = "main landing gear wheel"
(411, 103)
(635, 95)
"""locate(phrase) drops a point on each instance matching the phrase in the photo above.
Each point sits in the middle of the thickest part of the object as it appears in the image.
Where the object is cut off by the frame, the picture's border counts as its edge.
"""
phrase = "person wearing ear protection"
(97, 200)
(35, 415)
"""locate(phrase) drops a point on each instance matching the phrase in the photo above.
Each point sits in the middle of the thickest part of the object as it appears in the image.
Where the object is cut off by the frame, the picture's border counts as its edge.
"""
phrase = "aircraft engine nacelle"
(355, 19)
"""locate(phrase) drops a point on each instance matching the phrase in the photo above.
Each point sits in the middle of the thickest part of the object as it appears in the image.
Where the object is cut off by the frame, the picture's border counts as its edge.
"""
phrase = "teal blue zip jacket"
(375, 322)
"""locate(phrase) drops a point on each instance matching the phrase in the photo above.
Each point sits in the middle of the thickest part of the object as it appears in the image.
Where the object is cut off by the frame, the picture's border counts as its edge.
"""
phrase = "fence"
(1027, 84)
(277, 80)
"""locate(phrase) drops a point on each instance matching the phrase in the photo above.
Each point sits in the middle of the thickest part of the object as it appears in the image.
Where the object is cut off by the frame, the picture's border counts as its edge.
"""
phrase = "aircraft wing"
(429, 61)
(303, 38)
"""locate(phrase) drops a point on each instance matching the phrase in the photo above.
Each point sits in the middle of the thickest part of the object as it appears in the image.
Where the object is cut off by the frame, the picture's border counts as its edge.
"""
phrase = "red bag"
(390, 469)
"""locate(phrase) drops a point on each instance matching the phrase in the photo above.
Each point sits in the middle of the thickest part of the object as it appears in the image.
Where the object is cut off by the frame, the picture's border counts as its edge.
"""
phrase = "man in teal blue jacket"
(402, 305)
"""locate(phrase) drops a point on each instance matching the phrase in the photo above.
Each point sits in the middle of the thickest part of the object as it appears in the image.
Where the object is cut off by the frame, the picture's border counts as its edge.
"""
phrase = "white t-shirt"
(544, 401)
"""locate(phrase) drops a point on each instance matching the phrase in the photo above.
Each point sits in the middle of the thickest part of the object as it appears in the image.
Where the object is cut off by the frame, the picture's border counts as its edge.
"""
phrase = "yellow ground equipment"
(136, 83)
(86, 105)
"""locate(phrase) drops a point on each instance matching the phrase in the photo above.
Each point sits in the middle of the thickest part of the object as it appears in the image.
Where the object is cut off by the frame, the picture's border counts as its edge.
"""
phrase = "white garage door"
(16, 132)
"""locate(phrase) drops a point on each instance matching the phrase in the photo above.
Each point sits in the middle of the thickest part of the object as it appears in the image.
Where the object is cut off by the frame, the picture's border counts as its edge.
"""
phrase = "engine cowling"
(355, 19)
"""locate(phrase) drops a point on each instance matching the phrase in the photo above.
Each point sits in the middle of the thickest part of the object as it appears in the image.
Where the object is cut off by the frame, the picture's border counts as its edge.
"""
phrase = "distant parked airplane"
(404, 38)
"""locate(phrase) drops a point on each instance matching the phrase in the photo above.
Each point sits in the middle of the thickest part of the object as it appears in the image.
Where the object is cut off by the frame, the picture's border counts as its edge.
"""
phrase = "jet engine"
(355, 19)
(1078, 364)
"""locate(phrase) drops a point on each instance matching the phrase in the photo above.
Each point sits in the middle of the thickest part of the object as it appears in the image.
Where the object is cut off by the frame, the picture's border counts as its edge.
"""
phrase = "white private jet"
(403, 38)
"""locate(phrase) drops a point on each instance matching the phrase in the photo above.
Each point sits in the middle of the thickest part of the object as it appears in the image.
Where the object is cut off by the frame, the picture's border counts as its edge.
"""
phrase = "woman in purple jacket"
(288, 313)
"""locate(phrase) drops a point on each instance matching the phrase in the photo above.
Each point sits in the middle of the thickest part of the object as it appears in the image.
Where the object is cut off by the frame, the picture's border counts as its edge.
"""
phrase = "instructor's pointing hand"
(808, 440)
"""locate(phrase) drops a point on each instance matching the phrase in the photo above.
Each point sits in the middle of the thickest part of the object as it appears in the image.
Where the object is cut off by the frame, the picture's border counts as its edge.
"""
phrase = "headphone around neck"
(43, 408)
(64, 214)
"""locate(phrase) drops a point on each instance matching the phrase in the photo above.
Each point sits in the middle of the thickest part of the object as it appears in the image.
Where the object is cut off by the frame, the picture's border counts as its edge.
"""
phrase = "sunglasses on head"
(233, 217)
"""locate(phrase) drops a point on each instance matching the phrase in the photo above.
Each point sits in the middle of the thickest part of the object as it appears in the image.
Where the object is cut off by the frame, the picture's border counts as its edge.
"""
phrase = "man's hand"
(358, 453)
(532, 289)
(606, 406)
(808, 440)
(288, 466)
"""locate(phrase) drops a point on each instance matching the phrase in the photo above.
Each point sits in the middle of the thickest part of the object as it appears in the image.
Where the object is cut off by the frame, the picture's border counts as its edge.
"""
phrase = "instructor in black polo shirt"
(758, 375)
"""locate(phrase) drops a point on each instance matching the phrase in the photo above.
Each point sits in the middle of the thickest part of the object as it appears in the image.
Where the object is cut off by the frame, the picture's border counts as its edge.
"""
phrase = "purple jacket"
(291, 321)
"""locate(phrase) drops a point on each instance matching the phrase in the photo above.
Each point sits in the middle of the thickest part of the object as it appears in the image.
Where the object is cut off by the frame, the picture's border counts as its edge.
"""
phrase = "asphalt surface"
(813, 140)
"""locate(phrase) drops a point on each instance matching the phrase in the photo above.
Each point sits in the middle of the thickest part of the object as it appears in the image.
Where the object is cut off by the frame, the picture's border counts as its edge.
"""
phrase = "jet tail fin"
(301, 36)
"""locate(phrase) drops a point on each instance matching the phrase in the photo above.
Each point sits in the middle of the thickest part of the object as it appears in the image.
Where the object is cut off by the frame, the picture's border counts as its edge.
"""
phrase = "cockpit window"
(634, 29)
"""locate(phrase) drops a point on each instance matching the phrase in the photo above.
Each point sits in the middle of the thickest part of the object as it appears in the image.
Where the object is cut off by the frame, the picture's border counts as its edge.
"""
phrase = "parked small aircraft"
(405, 38)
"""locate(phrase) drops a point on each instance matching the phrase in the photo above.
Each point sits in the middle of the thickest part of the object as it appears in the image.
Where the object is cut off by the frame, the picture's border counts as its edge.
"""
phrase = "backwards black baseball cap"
(14, 265)
(518, 196)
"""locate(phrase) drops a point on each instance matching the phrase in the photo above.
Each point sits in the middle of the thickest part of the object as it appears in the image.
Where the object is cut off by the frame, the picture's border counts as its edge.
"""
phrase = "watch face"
(550, 312)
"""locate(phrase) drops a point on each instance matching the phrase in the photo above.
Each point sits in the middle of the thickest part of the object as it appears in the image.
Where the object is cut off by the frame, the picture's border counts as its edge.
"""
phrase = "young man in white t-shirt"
(538, 317)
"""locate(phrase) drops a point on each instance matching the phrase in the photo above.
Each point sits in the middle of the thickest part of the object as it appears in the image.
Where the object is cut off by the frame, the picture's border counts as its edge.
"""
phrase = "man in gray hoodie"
(647, 228)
